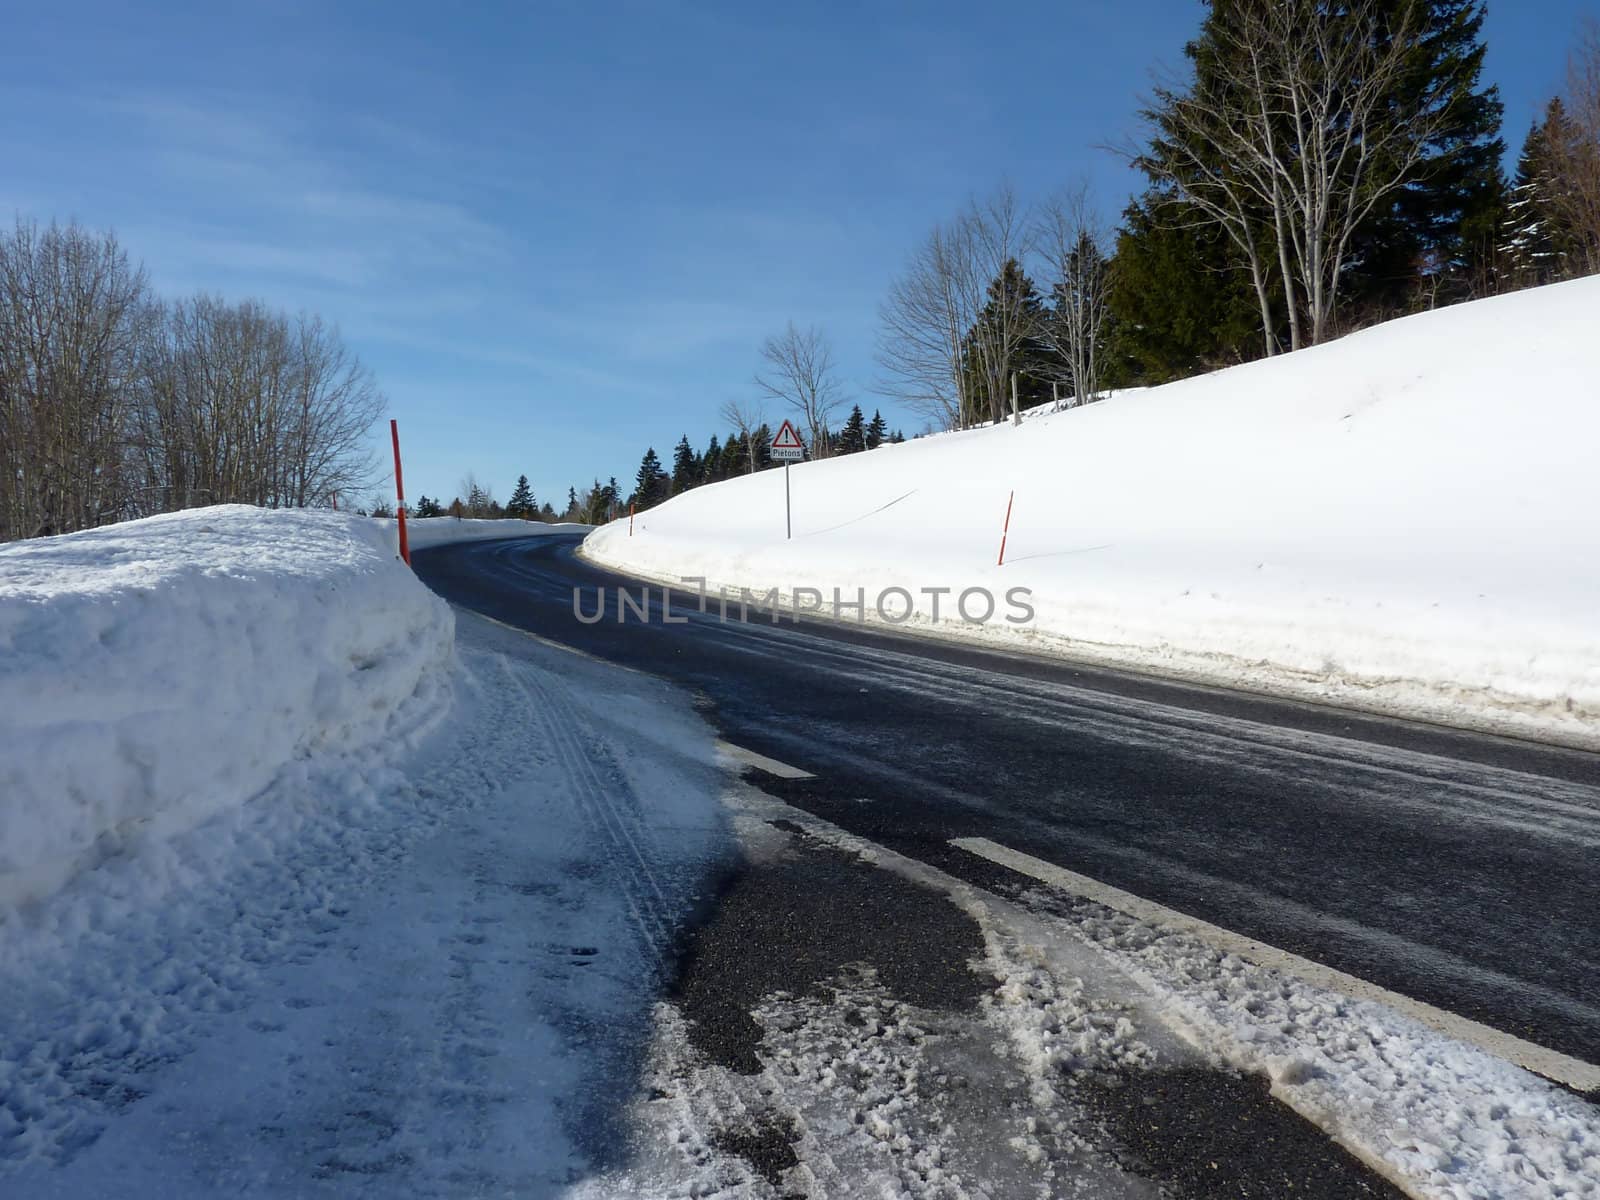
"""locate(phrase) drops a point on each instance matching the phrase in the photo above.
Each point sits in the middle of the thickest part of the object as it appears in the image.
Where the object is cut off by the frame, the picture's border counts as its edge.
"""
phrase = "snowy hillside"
(1404, 520)
(161, 671)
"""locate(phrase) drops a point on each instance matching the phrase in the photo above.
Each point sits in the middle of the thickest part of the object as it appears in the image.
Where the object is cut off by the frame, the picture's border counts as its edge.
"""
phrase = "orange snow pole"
(630, 520)
(1006, 531)
(399, 492)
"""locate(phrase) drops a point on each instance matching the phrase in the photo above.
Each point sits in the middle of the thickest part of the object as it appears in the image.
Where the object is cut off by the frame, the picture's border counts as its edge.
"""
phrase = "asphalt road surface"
(1454, 868)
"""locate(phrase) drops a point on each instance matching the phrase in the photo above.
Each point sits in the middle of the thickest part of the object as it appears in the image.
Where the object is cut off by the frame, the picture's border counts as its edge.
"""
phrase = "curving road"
(1457, 869)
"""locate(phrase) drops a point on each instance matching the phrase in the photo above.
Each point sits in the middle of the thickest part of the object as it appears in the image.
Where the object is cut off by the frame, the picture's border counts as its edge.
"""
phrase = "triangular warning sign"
(788, 438)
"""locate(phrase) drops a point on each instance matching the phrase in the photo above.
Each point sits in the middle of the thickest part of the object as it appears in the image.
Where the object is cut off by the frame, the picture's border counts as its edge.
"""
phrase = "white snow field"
(361, 905)
(1402, 521)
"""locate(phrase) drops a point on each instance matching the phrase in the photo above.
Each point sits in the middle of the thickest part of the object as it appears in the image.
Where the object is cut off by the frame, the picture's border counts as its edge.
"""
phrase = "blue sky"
(559, 231)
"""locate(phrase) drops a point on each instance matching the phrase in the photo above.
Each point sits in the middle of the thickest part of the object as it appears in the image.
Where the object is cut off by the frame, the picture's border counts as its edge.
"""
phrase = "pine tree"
(573, 512)
(427, 508)
(651, 482)
(761, 438)
(1005, 340)
(1534, 248)
(877, 430)
(686, 466)
(1444, 222)
(547, 512)
(1179, 302)
(852, 438)
(522, 505)
(711, 464)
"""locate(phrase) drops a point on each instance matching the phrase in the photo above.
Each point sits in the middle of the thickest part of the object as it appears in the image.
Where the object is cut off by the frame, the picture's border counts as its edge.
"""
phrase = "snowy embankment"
(155, 673)
(422, 532)
(1403, 521)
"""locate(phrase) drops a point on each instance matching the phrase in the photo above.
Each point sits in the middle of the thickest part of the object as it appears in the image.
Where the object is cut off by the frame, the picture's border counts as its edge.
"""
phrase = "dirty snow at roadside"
(406, 947)
(1402, 520)
(1080, 990)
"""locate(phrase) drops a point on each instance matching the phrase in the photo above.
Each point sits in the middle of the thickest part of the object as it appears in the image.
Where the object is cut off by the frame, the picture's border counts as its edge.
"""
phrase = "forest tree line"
(116, 403)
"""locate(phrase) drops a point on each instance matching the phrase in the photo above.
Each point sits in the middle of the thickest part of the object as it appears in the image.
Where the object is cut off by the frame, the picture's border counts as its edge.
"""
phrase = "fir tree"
(427, 508)
(877, 430)
(711, 465)
(1444, 221)
(686, 466)
(1005, 340)
(1179, 303)
(547, 512)
(853, 437)
(651, 482)
(1534, 248)
(522, 505)
(761, 440)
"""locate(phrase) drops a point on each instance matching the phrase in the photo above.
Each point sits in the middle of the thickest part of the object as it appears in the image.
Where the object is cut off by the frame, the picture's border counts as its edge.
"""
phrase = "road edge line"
(1541, 1060)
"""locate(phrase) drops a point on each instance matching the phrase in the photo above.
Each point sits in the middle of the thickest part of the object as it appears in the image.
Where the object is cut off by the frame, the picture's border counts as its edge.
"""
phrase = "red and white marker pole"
(399, 492)
(1005, 531)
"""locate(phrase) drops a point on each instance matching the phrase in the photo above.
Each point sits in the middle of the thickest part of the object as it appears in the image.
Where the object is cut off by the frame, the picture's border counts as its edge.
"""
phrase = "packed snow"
(422, 971)
(1403, 520)
(159, 672)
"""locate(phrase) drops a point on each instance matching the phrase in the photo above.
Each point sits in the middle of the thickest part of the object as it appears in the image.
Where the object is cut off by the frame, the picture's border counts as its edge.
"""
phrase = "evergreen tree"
(522, 505)
(651, 483)
(547, 512)
(1534, 248)
(1006, 340)
(573, 512)
(1444, 222)
(711, 464)
(762, 439)
(686, 466)
(427, 508)
(897, 438)
(877, 430)
(1179, 301)
(596, 509)
(853, 437)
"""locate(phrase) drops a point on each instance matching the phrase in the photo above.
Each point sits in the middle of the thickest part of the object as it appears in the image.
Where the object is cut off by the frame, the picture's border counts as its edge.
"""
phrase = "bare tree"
(71, 314)
(745, 417)
(799, 373)
(923, 329)
(998, 234)
(1290, 136)
(950, 337)
(1073, 238)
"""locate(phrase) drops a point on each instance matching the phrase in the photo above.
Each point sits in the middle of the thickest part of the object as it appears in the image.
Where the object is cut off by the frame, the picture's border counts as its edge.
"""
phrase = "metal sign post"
(787, 448)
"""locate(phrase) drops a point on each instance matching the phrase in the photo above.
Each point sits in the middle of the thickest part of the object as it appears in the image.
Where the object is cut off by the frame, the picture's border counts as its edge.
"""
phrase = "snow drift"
(1404, 520)
(157, 672)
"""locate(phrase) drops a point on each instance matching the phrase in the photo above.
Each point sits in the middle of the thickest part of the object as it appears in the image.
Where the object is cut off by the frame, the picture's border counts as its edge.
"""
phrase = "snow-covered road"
(429, 976)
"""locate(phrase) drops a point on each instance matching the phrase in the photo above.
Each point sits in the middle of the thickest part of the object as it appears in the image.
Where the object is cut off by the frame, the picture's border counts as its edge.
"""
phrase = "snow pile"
(1402, 520)
(157, 672)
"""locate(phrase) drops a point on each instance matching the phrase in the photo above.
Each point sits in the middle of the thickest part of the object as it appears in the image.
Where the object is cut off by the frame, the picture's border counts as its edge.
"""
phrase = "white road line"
(762, 763)
(1541, 1060)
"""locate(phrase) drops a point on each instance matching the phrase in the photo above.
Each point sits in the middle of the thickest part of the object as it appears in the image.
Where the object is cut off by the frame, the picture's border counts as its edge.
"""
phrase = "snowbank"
(157, 672)
(1403, 520)
(422, 532)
